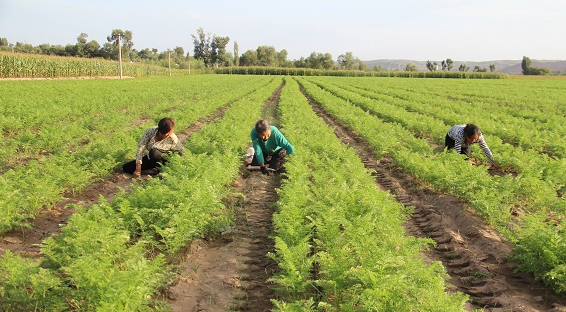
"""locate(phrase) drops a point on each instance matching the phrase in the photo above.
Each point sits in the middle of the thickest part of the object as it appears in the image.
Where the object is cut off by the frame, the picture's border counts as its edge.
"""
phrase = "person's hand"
(137, 172)
(263, 169)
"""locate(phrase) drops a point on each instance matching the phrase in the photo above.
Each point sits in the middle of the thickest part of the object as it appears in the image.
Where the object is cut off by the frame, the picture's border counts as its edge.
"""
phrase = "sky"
(478, 30)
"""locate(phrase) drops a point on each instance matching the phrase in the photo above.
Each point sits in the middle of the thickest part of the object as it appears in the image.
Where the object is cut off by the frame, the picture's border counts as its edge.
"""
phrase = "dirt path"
(473, 254)
(25, 241)
(231, 272)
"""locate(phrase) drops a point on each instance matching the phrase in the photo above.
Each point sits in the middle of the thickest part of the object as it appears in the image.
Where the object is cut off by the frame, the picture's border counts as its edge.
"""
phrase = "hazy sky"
(478, 30)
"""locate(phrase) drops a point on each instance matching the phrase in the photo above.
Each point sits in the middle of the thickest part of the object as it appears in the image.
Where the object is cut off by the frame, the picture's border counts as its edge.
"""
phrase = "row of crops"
(408, 122)
(339, 240)
(355, 73)
(112, 257)
(68, 138)
(41, 66)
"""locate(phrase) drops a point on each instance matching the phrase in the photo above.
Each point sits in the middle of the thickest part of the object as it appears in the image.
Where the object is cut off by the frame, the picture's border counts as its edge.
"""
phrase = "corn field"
(39, 66)
(355, 73)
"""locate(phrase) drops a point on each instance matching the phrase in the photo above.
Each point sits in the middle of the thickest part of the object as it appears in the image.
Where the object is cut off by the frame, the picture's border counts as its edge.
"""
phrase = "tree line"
(109, 50)
(447, 65)
(210, 51)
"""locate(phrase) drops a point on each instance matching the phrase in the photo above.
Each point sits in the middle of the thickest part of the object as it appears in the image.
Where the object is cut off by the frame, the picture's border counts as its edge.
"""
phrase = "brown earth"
(474, 255)
(231, 272)
(25, 241)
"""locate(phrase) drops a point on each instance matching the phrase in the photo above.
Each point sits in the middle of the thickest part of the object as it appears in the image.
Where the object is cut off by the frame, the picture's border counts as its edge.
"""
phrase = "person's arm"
(258, 151)
(283, 143)
(148, 134)
(458, 141)
(485, 149)
(178, 146)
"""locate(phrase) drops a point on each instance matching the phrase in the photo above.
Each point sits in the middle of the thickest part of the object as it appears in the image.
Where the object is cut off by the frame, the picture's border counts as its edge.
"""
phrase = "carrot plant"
(340, 242)
(101, 256)
(88, 154)
(493, 197)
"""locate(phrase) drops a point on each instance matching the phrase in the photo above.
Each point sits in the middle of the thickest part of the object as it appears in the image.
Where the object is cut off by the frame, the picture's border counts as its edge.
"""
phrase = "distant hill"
(512, 67)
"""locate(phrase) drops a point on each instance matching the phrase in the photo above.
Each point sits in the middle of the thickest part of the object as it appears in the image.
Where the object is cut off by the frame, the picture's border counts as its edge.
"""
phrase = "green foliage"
(25, 286)
(334, 249)
(69, 135)
(39, 66)
(540, 249)
(403, 123)
(354, 73)
(100, 257)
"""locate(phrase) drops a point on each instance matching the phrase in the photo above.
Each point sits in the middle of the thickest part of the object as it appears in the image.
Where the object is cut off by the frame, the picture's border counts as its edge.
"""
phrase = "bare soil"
(25, 241)
(231, 272)
(474, 255)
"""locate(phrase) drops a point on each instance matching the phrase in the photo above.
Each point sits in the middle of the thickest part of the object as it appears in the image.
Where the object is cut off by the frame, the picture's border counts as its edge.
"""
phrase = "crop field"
(370, 213)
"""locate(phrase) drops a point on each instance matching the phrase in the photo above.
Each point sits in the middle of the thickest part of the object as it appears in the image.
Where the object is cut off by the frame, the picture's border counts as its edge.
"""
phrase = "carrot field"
(371, 214)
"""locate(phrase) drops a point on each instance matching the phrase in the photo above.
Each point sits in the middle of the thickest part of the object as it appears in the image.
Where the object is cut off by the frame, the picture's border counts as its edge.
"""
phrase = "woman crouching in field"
(461, 137)
(270, 145)
(159, 141)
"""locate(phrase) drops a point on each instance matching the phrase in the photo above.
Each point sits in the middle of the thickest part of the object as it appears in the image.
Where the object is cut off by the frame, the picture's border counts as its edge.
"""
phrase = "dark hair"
(165, 125)
(470, 130)
(261, 126)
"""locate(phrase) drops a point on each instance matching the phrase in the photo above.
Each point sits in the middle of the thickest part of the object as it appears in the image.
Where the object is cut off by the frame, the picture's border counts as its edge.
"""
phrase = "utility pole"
(169, 63)
(189, 58)
(120, 53)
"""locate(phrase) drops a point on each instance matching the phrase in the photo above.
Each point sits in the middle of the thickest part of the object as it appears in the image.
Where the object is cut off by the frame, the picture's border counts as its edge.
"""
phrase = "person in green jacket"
(270, 146)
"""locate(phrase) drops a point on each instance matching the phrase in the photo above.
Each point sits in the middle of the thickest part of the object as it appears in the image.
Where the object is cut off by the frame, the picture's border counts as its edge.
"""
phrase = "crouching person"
(158, 141)
(461, 138)
(270, 146)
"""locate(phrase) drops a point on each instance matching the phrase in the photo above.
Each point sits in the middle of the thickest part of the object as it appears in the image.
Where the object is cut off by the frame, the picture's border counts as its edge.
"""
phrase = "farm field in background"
(339, 238)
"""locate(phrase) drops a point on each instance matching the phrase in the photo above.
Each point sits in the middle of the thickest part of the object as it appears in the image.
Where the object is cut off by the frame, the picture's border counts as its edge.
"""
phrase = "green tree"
(315, 60)
(126, 40)
(411, 67)
(3, 42)
(525, 65)
(81, 44)
(236, 54)
(218, 50)
(202, 44)
(327, 61)
(478, 69)
(432, 66)
(249, 58)
(300, 63)
(449, 64)
(492, 67)
(346, 61)
(266, 56)
(539, 71)
(92, 49)
(463, 68)
(282, 58)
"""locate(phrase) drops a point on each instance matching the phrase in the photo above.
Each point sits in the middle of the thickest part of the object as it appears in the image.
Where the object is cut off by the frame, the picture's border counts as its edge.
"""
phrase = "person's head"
(471, 134)
(166, 126)
(263, 129)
